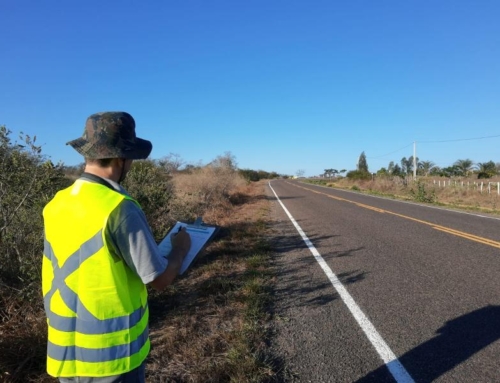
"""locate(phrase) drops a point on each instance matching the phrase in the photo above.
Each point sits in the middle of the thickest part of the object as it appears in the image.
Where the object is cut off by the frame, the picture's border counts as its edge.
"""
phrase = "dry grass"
(206, 192)
(210, 326)
(455, 196)
(23, 341)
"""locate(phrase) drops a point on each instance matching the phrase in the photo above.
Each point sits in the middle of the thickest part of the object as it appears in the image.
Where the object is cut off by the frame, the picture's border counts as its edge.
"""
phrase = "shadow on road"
(454, 343)
(302, 280)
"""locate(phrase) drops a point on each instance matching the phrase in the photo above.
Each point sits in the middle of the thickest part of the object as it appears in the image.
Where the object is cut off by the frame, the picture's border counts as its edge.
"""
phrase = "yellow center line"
(445, 229)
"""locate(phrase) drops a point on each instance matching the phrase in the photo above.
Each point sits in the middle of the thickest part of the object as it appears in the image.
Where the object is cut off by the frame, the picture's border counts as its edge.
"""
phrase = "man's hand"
(181, 243)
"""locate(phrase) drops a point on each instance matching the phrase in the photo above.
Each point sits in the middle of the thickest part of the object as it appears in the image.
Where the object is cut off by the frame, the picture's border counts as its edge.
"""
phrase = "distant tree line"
(256, 175)
(460, 168)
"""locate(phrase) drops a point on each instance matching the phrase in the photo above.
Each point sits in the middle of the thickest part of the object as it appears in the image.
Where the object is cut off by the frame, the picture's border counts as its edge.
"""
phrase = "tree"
(328, 173)
(407, 165)
(382, 172)
(486, 169)
(396, 171)
(362, 164)
(451, 171)
(435, 171)
(464, 167)
(425, 167)
(226, 161)
(171, 163)
(390, 167)
(300, 173)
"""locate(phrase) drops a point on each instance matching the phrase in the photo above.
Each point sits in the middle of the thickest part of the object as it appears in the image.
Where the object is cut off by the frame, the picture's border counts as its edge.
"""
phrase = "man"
(99, 254)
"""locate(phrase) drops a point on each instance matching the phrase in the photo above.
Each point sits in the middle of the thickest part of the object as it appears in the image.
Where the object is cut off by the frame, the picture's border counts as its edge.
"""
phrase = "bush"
(205, 192)
(254, 175)
(358, 175)
(420, 194)
(27, 182)
(249, 175)
(150, 184)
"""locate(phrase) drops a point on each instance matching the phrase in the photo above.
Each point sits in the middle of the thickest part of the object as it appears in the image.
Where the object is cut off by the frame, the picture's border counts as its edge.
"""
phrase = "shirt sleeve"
(130, 238)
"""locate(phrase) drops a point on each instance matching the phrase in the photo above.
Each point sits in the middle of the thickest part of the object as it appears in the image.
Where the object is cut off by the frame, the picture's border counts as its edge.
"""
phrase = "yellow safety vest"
(96, 306)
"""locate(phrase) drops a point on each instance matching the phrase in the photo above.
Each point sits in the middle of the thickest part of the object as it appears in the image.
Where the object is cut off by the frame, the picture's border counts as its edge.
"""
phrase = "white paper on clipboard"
(200, 236)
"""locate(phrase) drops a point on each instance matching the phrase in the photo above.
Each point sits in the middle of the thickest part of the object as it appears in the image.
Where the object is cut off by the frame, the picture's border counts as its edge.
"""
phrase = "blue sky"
(282, 85)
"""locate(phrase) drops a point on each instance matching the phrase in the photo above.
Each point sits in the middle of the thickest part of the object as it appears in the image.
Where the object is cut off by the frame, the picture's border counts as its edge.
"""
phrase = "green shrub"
(150, 184)
(249, 175)
(358, 175)
(256, 175)
(27, 182)
(420, 194)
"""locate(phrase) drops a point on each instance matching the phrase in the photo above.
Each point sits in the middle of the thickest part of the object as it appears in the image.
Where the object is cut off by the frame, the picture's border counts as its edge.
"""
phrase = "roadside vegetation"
(464, 185)
(461, 194)
(210, 326)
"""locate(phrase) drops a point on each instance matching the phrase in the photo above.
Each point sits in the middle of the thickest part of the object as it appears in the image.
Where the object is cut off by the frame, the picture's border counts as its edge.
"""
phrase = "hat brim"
(136, 149)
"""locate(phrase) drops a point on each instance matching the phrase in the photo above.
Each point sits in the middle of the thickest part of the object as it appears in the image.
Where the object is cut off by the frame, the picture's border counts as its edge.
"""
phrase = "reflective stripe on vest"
(81, 340)
(86, 323)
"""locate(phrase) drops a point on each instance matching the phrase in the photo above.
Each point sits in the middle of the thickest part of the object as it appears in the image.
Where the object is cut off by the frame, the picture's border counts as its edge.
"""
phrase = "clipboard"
(200, 233)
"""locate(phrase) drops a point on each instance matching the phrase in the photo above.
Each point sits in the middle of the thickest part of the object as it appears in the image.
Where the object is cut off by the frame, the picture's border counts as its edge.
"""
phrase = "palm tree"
(486, 169)
(426, 167)
(465, 167)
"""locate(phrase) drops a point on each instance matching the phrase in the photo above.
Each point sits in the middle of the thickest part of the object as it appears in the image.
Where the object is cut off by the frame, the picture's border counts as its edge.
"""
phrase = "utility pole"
(414, 160)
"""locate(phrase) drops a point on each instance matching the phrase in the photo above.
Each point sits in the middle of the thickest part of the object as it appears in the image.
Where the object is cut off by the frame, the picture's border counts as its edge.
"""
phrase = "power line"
(460, 139)
(391, 152)
(436, 141)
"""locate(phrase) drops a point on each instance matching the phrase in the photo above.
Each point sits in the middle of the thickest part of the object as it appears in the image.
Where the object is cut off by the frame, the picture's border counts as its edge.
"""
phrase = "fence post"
(481, 187)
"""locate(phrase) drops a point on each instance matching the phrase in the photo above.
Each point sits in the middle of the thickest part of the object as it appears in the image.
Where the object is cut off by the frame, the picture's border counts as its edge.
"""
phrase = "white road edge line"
(391, 361)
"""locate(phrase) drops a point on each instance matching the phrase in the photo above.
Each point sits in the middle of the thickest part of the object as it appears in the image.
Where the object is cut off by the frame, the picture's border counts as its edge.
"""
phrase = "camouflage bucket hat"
(111, 135)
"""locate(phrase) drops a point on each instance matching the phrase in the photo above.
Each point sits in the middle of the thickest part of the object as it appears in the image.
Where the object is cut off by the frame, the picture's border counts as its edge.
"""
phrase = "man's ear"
(118, 162)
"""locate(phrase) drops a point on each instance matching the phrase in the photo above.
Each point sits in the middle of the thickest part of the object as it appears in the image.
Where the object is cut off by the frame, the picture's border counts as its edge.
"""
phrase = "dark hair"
(101, 162)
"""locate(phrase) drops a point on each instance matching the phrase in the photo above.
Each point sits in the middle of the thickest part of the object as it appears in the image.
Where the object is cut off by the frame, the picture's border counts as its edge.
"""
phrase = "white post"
(414, 160)
(481, 187)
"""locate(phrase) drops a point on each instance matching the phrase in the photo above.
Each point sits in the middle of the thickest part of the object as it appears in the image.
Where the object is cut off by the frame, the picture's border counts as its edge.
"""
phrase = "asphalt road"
(413, 294)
